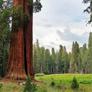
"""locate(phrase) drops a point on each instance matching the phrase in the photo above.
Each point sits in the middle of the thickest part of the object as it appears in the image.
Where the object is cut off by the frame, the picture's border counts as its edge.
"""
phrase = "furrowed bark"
(16, 68)
(28, 40)
(20, 57)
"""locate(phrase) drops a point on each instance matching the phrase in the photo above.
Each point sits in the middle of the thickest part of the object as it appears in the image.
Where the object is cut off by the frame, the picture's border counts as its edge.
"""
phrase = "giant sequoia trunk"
(28, 40)
(20, 56)
(28, 36)
(16, 56)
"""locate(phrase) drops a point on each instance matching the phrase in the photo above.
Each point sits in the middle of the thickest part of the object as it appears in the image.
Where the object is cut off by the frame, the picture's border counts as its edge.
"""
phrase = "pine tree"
(53, 59)
(84, 54)
(75, 59)
(48, 63)
(89, 57)
(65, 60)
(60, 70)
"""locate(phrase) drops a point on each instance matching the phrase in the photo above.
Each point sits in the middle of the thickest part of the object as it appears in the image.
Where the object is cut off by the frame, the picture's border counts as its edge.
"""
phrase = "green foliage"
(75, 59)
(84, 57)
(89, 9)
(51, 62)
(89, 55)
(19, 17)
(75, 84)
(52, 84)
(37, 6)
(30, 86)
(60, 59)
(4, 40)
(1, 2)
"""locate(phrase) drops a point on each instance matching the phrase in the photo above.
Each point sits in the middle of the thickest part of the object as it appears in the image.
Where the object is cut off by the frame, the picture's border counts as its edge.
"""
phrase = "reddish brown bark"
(16, 57)
(28, 36)
(20, 57)
(28, 40)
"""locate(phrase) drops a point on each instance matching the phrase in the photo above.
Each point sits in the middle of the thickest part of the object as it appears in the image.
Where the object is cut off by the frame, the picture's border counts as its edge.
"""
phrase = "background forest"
(79, 60)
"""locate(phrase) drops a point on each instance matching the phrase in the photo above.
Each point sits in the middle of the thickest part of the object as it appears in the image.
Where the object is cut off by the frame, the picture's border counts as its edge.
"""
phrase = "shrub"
(75, 84)
(30, 86)
(52, 83)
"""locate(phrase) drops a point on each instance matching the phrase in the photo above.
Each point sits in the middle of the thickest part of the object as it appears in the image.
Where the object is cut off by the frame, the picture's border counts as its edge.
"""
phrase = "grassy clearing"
(10, 87)
(66, 78)
(62, 83)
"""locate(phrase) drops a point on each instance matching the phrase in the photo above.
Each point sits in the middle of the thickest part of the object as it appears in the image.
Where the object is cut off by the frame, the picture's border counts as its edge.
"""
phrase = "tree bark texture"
(20, 57)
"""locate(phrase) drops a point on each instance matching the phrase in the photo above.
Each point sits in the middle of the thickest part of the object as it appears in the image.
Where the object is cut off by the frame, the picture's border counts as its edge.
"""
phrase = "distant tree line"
(79, 60)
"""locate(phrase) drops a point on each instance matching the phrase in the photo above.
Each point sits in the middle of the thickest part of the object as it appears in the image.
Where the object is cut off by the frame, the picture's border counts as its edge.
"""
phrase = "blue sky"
(61, 22)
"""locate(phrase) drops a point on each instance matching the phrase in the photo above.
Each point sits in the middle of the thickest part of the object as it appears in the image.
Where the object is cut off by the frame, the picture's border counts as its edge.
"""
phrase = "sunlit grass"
(62, 83)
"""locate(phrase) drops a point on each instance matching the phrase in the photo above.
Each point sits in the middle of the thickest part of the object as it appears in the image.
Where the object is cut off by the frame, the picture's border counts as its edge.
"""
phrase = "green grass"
(10, 87)
(66, 78)
(62, 83)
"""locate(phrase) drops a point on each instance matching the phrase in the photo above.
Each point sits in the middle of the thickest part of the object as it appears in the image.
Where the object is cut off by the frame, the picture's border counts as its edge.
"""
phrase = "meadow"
(62, 82)
(54, 83)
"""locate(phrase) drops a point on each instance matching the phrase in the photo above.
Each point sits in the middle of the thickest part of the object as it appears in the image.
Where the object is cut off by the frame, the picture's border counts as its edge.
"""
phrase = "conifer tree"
(89, 57)
(75, 59)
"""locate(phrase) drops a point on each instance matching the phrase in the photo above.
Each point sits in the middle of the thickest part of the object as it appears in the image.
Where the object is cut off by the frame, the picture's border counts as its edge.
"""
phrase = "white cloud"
(57, 15)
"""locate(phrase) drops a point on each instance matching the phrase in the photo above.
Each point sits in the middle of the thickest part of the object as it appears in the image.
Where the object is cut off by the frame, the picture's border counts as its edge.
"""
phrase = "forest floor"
(54, 83)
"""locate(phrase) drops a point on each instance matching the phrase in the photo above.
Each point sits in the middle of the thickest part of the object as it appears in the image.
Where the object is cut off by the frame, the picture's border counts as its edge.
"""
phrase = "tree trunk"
(28, 41)
(16, 56)
(20, 57)
(28, 36)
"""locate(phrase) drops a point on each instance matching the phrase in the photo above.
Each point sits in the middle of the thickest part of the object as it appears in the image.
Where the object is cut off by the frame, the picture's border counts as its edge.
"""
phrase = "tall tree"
(20, 54)
(89, 57)
(75, 59)
(84, 56)
(4, 47)
(60, 59)
(48, 66)
(53, 57)
(4, 37)
(65, 61)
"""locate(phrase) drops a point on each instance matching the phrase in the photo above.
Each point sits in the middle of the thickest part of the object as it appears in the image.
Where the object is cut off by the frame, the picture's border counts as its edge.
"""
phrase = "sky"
(61, 22)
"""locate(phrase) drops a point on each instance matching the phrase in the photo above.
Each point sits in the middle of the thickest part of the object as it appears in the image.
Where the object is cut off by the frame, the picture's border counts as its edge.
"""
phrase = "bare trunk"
(16, 68)
(29, 49)
(16, 60)
(28, 40)
(20, 56)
